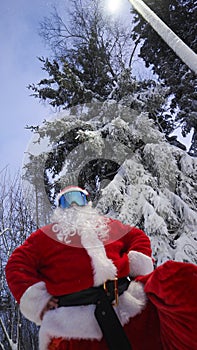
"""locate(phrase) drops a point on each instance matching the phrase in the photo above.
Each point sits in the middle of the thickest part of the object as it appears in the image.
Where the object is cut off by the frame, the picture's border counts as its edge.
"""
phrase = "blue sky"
(20, 45)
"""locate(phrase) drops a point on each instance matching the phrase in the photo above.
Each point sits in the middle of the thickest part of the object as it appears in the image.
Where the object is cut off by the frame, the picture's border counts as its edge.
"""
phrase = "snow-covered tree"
(132, 173)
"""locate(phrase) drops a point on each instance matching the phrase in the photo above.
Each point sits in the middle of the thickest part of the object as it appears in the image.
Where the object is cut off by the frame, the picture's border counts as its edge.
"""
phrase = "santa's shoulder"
(40, 234)
(117, 224)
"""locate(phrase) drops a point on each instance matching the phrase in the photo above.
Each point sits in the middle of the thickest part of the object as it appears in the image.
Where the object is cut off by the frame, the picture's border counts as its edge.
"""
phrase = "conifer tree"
(131, 172)
(90, 52)
(180, 16)
(115, 146)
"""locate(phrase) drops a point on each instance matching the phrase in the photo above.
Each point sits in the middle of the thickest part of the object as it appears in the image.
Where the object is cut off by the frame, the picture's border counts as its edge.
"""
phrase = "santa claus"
(89, 282)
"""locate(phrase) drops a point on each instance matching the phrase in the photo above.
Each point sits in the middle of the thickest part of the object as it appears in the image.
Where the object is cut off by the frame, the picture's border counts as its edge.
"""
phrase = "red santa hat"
(71, 189)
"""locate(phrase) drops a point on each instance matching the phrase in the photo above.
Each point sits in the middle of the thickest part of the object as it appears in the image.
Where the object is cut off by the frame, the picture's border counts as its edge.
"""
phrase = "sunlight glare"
(114, 5)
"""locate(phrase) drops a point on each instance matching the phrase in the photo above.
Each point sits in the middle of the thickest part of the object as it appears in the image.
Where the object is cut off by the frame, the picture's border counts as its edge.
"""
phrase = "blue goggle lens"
(76, 197)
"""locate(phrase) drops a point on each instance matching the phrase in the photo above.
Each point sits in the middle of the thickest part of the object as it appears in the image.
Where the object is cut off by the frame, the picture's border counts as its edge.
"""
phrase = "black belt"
(102, 297)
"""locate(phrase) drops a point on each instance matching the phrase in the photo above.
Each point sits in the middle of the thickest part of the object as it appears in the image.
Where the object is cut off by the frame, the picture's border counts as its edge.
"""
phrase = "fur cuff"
(33, 301)
(139, 263)
(132, 302)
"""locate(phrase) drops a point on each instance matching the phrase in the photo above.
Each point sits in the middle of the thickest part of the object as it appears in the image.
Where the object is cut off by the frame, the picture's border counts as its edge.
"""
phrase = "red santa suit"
(157, 310)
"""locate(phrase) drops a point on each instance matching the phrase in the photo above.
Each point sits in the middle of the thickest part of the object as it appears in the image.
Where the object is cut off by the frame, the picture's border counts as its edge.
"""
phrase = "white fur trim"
(131, 302)
(139, 263)
(79, 322)
(103, 267)
(76, 322)
(33, 301)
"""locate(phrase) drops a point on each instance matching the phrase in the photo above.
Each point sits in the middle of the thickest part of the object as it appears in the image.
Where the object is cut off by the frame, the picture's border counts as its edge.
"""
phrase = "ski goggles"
(76, 197)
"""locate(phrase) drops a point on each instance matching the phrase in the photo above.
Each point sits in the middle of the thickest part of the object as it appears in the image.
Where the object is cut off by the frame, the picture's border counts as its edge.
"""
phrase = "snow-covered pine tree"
(155, 189)
(132, 173)
(111, 147)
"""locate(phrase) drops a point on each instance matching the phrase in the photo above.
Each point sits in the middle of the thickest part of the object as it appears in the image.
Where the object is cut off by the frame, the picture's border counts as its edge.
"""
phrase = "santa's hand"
(51, 305)
(139, 263)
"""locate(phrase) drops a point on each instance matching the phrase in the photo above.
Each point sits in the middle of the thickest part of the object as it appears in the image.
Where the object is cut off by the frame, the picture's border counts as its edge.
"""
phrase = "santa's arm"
(22, 274)
(138, 248)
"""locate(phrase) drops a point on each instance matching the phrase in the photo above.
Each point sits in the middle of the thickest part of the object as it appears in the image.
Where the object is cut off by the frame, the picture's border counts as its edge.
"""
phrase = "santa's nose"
(74, 204)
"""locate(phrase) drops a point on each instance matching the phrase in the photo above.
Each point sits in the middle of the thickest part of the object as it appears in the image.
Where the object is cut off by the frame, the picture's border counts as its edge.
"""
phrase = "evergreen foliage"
(112, 137)
(131, 172)
(90, 52)
(180, 16)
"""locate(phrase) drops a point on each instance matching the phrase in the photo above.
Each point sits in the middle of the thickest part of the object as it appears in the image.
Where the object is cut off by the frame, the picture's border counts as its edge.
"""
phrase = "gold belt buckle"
(115, 290)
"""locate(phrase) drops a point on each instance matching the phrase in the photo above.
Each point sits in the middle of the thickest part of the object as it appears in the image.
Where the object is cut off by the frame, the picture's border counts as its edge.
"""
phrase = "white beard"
(84, 221)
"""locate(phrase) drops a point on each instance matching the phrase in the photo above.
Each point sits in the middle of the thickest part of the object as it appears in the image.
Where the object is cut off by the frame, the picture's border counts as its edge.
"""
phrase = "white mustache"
(85, 222)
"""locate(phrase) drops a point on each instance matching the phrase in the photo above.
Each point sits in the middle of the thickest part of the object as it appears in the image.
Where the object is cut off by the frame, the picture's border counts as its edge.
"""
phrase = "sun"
(113, 5)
